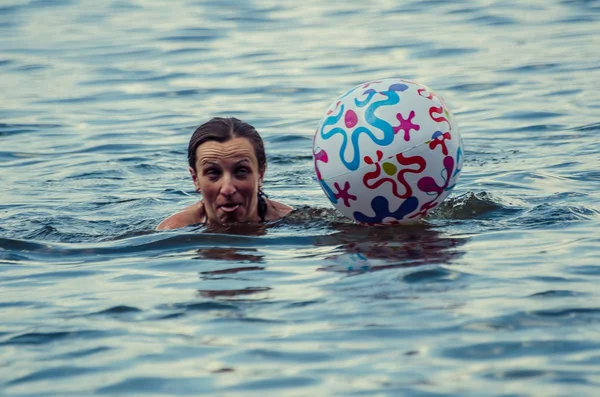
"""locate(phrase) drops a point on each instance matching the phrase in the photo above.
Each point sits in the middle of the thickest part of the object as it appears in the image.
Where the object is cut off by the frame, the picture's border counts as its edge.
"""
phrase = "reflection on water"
(232, 293)
(230, 254)
(239, 229)
(232, 273)
(356, 248)
(388, 247)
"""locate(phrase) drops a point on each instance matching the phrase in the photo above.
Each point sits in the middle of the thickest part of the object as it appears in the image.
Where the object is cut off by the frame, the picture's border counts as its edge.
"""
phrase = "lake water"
(498, 294)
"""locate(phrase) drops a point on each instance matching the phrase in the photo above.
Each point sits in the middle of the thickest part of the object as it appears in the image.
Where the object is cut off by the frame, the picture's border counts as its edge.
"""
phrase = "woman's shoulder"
(279, 210)
(189, 216)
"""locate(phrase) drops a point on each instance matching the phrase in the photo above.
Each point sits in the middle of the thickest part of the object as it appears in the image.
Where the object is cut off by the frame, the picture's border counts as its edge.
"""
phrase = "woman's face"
(228, 176)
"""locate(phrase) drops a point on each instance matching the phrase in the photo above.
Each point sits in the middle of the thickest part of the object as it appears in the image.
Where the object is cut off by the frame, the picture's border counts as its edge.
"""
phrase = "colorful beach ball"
(387, 151)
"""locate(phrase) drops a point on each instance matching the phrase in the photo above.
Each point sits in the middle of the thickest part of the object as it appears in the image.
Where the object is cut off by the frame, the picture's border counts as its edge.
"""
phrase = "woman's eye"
(212, 173)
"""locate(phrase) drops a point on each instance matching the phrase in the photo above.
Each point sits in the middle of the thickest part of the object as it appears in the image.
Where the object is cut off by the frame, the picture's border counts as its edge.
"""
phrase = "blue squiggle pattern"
(388, 131)
(328, 192)
(370, 93)
(381, 206)
(458, 158)
(457, 171)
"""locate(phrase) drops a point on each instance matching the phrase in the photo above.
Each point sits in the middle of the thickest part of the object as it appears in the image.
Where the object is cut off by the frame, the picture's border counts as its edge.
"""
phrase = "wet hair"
(222, 129)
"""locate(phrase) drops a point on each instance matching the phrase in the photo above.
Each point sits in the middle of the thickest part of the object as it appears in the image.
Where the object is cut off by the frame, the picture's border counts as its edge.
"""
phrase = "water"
(496, 295)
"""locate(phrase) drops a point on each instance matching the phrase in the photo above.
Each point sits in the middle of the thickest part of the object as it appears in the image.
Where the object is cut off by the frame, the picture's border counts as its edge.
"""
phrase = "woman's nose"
(228, 187)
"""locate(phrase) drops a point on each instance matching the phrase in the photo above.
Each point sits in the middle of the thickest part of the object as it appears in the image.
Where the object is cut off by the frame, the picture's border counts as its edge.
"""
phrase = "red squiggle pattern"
(439, 119)
(375, 174)
(429, 95)
(440, 139)
(366, 85)
(336, 106)
(405, 161)
(435, 109)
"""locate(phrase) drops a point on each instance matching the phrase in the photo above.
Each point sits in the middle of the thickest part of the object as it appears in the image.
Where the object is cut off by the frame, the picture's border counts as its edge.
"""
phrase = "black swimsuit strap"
(262, 206)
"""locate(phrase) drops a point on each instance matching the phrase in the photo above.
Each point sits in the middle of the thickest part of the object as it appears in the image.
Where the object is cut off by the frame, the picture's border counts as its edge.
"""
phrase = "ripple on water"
(276, 383)
(435, 275)
(19, 304)
(505, 350)
(44, 338)
(474, 205)
(121, 309)
(195, 35)
(56, 373)
(542, 319)
(589, 270)
(538, 67)
(208, 306)
(492, 20)
(257, 355)
(13, 129)
(157, 384)
(545, 215)
(557, 294)
(80, 353)
(443, 52)
(554, 376)
(594, 127)
(477, 87)
(137, 78)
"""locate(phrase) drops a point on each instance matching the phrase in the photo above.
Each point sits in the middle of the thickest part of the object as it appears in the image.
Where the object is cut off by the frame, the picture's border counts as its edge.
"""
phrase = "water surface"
(497, 294)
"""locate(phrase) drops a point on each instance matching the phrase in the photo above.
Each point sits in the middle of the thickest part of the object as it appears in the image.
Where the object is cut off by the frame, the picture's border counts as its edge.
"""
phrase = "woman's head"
(227, 162)
(221, 129)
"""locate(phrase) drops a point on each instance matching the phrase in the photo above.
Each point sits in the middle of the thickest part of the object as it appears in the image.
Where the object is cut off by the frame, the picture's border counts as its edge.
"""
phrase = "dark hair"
(222, 129)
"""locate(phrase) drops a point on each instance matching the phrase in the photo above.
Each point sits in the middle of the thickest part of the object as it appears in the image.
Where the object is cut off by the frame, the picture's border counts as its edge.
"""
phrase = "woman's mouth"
(229, 207)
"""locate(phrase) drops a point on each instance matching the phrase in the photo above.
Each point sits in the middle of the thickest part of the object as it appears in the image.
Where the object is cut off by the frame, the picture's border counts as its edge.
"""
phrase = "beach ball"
(387, 151)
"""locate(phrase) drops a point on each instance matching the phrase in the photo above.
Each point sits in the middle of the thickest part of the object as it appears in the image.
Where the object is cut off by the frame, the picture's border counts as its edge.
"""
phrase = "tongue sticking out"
(230, 208)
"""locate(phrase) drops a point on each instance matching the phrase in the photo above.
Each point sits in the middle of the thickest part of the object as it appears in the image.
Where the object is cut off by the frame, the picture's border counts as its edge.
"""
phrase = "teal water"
(496, 295)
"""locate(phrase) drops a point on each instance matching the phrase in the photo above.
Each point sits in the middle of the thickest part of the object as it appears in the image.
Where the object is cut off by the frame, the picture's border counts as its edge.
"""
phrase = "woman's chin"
(236, 216)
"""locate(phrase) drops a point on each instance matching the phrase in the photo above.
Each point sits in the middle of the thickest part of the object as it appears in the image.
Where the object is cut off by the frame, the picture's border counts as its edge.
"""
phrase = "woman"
(227, 163)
